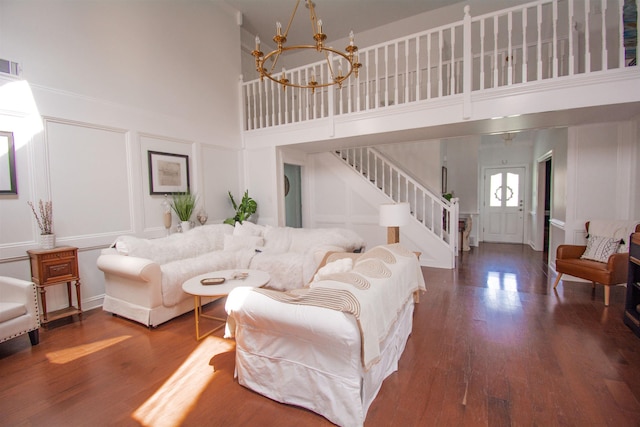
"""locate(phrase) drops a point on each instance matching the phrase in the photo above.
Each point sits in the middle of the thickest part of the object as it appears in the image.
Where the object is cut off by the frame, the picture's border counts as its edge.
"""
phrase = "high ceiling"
(338, 16)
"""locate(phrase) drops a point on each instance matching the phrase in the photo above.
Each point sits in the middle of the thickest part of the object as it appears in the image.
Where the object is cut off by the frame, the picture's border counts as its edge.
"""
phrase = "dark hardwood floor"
(492, 345)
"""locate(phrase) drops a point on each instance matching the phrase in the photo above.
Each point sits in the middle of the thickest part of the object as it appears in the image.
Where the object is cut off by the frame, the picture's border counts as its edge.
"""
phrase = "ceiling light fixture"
(508, 137)
(334, 78)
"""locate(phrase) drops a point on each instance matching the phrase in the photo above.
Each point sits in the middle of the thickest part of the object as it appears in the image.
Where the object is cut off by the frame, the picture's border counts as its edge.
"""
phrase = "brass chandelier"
(335, 78)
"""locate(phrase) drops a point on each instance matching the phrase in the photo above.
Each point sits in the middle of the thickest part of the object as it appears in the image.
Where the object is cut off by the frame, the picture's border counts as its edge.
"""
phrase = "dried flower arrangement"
(45, 220)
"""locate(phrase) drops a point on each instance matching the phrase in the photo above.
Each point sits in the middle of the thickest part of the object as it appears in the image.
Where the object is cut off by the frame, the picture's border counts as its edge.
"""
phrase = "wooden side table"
(55, 267)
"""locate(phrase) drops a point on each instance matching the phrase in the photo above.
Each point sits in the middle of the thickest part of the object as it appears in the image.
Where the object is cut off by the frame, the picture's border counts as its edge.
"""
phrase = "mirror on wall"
(7, 164)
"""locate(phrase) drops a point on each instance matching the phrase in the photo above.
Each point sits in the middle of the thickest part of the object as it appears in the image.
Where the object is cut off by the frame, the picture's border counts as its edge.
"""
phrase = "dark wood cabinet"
(54, 267)
(632, 304)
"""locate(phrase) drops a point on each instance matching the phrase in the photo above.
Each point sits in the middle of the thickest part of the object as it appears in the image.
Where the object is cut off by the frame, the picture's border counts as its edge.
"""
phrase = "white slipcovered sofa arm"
(301, 322)
(128, 267)
(22, 291)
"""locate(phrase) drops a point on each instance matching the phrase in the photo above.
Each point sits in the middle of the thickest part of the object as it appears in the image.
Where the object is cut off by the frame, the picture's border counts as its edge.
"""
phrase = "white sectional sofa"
(143, 277)
(329, 346)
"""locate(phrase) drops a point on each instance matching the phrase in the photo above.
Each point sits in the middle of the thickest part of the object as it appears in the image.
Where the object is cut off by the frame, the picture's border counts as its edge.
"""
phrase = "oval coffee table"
(193, 286)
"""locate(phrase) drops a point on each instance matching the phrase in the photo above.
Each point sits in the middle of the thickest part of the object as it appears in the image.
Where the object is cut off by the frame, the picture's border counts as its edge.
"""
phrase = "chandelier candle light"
(280, 39)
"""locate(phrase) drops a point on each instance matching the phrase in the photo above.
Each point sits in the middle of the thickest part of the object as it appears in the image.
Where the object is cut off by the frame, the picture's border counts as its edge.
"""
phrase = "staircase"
(430, 213)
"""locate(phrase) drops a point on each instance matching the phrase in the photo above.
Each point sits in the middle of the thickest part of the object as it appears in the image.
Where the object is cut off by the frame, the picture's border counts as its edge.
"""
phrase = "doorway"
(547, 205)
(292, 195)
(504, 205)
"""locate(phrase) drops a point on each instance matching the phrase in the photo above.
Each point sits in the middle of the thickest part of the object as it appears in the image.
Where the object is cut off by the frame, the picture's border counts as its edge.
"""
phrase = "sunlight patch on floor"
(170, 405)
(502, 291)
(70, 354)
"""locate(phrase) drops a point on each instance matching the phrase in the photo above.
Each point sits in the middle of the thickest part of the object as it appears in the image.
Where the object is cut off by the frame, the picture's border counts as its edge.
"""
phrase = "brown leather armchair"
(613, 272)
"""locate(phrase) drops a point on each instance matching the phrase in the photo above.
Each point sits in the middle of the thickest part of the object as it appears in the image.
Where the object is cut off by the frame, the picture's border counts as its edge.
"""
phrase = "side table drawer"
(56, 271)
(54, 265)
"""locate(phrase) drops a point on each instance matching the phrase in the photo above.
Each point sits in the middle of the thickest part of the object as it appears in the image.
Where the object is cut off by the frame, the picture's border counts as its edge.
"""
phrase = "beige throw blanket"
(374, 292)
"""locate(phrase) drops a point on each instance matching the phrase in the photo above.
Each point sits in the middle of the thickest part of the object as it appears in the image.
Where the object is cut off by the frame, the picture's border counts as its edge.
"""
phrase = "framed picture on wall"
(168, 173)
(444, 180)
(7, 164)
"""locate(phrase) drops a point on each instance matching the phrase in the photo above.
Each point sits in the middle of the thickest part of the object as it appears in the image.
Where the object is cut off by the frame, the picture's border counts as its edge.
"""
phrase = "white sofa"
(143, 277)
(18, 309)
(328, 347)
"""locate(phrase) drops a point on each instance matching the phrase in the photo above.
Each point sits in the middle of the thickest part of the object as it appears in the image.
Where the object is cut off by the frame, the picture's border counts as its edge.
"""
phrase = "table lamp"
(392, 216)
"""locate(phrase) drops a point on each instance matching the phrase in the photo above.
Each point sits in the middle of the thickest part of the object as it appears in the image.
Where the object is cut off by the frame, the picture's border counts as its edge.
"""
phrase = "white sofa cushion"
(11, 310)
(237, 243)
(339, 266)
(177, 272)
(277, 239)
(195, 242)
(303, 240)
(285, 269)
(248, 229)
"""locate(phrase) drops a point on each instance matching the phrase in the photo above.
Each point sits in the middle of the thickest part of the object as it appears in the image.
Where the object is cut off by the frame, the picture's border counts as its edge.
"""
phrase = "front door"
(504, 205)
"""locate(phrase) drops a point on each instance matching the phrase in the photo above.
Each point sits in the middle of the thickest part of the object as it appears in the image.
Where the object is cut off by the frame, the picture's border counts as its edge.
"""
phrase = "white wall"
(108, 81)
(600, 182)
(421, 160)
(265, 183)
(462, 161)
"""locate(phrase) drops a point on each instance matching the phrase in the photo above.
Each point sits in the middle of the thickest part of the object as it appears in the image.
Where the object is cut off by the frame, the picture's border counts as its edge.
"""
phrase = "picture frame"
(444, 180)
(8, 184)
(168, 173)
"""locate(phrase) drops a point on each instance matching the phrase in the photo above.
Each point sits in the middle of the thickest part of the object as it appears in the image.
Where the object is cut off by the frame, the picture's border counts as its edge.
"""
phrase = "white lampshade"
(394, 214)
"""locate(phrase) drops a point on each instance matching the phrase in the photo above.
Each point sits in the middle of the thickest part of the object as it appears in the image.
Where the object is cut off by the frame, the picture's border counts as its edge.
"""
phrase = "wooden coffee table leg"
(199, 315)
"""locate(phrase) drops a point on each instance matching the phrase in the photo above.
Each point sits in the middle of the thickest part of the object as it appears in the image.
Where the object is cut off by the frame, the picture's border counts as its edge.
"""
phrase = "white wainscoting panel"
(597, 164)
(90, 180)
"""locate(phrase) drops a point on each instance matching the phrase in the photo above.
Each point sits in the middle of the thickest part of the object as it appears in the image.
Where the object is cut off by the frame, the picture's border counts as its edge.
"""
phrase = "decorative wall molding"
(556, 223)
(99, 177)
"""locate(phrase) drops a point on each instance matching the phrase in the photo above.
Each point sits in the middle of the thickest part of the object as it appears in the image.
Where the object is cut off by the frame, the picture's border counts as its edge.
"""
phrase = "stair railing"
(435, 213)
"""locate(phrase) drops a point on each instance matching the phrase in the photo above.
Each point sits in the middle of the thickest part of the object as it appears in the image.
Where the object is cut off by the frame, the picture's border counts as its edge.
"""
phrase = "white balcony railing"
(541, 40)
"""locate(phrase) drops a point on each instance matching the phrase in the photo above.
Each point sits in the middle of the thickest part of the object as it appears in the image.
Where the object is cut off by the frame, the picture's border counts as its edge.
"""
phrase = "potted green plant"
(244, 209)
(183, 204)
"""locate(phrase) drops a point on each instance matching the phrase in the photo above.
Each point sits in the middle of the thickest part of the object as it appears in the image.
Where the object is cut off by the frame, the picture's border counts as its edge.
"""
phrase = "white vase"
(47, 241)
(186, 226)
